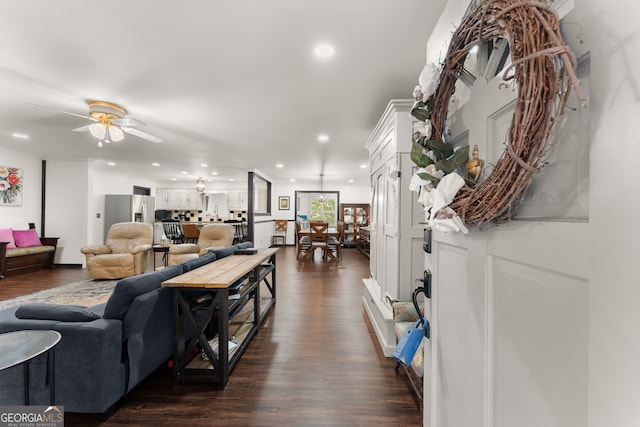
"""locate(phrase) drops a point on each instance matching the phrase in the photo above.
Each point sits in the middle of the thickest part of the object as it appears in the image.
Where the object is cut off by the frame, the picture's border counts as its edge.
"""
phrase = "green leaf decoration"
(459, 158)
(441, 150)
(428, 177)
(419, 139)
(418, 157)
(420, 113)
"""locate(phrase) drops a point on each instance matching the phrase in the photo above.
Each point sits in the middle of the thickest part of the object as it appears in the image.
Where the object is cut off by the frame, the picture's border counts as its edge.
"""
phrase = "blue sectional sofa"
(105, 350)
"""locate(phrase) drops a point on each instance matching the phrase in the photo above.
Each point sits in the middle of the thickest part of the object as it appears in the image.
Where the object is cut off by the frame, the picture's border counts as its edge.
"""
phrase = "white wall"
(611, 30)
(67, 208)
(18, 216)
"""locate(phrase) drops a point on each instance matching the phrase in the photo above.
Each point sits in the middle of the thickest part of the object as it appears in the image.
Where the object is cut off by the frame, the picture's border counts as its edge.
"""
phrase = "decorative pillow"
(59, 312)
(6, 235)
(26, 238)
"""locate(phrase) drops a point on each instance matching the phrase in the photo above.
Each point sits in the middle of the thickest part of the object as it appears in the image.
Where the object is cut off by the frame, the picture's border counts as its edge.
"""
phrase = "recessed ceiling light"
(204, 165)
(155, 164)
(323, 138)
(214, 173)
(363, 166)
(292, 180)
(174, 179)
(20, 135)
(230, 179)
(111, 163)
(324, 51)
(279, 165)
(184, 173)
(351, 181)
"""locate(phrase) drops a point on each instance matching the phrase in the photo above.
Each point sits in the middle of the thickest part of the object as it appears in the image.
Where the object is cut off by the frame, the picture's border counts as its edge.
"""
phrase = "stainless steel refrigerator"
(127, 208)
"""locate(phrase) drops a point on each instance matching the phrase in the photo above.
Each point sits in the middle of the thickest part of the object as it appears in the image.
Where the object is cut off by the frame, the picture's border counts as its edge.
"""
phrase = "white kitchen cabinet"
(162, 199)
(178, 199)
(195, 200)
(237, 200)
(396, 232)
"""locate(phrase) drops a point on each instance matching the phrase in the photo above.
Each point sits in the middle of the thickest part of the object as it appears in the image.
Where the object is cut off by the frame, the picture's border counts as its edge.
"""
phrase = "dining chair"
(319, 238)
(279, 232)
(334, 243)
(191, 233)
(238, 236)
(173, 230)
(303, 242)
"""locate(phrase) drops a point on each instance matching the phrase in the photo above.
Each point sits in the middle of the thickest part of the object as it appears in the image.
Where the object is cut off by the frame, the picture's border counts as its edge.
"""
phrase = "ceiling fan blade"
(128, 121)
(82, 129)
(141, 134)
(63, 112)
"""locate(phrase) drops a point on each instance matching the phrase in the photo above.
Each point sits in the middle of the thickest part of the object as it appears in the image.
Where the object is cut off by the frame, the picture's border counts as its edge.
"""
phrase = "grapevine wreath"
(543, 68)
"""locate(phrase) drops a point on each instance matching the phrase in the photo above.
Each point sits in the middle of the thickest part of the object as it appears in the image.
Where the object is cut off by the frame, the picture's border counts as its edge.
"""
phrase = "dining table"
(331, 232)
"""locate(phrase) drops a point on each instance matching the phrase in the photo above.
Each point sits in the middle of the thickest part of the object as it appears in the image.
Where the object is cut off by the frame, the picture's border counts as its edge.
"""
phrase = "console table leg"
(223, 338)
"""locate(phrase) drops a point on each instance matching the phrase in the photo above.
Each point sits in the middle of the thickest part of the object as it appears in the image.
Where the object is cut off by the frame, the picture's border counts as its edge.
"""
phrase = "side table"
(20, 347)
(165, 254)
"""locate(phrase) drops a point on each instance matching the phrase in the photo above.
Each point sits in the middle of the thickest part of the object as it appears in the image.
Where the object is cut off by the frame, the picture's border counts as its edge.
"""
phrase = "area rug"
(86, 292)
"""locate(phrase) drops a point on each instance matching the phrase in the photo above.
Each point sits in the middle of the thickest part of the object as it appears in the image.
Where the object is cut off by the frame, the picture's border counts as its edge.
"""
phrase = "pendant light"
(200, 185)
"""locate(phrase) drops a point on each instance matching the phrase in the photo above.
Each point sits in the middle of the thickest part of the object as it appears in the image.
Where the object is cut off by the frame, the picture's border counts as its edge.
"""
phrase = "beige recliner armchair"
(211, 236)
(125, 252)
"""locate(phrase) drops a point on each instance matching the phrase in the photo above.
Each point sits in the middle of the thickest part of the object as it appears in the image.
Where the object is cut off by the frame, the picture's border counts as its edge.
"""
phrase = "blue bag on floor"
(409, 343)
(412, 337)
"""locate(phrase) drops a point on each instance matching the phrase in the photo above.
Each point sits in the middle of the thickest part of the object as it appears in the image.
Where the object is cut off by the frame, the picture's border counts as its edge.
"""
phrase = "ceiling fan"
(111, 123)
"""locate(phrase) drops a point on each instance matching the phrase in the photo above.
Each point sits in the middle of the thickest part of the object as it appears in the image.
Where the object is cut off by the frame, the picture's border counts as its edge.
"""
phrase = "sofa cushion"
(28, 251)
(192, 264)
(6, 235)
(127, 289)
(26, 238)
(59, 312)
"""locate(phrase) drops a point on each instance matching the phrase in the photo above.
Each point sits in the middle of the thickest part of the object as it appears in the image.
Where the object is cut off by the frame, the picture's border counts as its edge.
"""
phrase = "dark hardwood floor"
(315, 362)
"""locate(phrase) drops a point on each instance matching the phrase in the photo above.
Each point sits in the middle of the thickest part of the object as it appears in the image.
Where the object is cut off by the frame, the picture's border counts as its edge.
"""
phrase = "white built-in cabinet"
(396, 255)
(178, 199)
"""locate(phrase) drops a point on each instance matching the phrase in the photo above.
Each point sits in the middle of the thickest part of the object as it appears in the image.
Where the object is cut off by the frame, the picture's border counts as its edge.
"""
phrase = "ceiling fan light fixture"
(115, 133)
(98, 130)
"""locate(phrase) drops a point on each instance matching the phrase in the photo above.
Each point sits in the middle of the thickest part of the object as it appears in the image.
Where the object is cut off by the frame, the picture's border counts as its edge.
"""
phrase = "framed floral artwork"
(10, 186)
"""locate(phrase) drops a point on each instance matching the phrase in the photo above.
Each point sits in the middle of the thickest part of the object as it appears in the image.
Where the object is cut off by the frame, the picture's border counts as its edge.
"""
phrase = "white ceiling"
(233, 84)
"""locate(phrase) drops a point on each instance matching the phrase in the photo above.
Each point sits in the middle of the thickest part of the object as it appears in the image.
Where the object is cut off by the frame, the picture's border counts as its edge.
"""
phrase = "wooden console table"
(209, 300)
